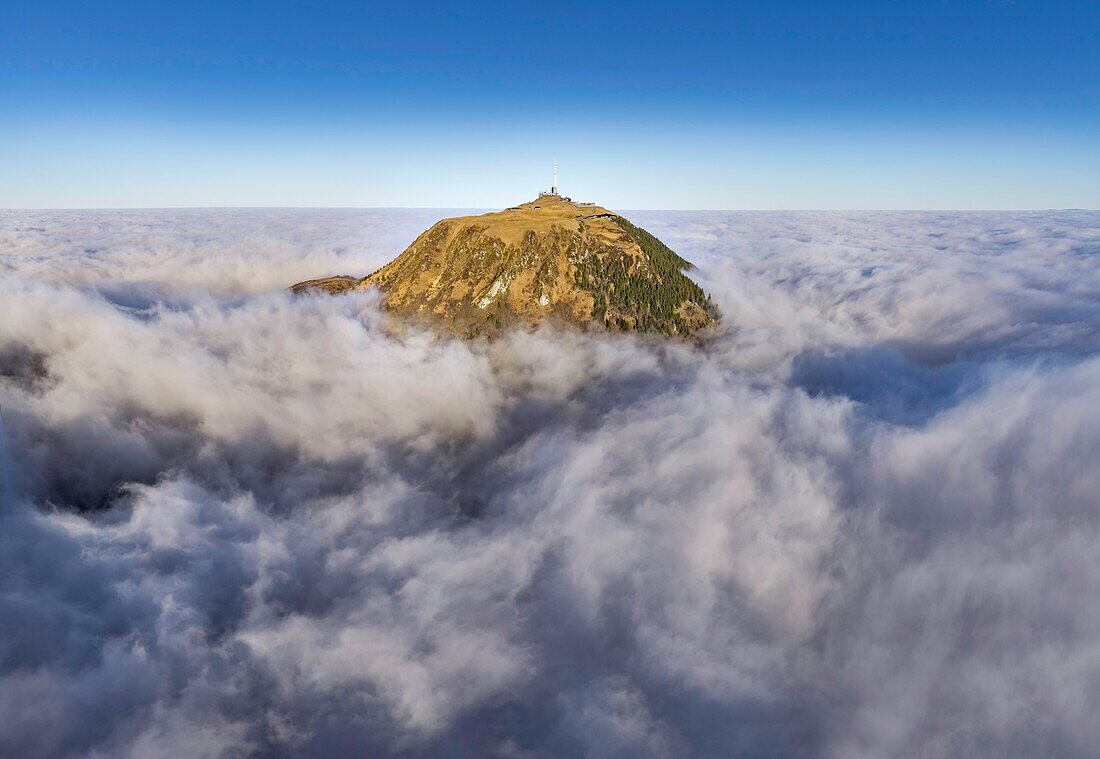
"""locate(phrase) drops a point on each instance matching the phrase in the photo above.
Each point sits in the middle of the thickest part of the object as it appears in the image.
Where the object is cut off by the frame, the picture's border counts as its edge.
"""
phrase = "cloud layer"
(860, 522)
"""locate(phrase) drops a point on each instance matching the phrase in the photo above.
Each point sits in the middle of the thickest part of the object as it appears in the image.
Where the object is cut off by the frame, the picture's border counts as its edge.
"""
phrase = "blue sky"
(646, 105)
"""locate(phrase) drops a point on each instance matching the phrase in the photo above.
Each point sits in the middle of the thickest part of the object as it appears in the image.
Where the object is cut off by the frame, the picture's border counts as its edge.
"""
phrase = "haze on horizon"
(916, 105)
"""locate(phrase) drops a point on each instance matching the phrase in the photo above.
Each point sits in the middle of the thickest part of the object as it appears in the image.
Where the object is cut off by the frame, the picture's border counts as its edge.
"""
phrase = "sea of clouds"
(863, 520)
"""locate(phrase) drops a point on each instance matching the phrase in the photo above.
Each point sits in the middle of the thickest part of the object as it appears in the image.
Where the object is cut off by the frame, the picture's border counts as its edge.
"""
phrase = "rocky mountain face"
(547, 260)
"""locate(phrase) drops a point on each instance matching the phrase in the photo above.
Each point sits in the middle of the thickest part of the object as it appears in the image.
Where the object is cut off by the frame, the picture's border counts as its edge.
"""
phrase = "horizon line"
(491, 208)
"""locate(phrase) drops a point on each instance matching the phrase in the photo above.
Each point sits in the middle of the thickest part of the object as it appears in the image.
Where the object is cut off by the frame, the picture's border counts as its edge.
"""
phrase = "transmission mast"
(554, 187)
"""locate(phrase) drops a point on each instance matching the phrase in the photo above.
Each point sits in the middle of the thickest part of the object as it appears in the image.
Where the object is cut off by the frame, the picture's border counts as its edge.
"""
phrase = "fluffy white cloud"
(861, 521)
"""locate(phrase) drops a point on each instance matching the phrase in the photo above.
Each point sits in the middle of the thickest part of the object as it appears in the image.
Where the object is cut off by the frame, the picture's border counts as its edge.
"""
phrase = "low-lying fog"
(862, 521)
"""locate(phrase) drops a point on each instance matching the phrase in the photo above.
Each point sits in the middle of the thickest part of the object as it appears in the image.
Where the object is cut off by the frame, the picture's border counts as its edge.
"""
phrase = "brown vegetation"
(547, 260)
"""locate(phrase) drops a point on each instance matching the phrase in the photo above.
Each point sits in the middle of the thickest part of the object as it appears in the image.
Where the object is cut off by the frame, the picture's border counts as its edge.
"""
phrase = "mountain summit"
(548, 260)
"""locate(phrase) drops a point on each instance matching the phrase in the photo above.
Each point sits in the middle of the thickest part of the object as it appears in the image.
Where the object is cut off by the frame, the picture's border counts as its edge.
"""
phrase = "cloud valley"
(861, 521)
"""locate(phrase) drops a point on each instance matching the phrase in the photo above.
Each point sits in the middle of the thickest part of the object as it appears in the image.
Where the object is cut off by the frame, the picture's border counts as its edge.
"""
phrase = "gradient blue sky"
(646, 105)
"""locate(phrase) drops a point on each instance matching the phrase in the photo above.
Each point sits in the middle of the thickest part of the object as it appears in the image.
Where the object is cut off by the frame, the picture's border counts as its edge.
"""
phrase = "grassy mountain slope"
(547, 260)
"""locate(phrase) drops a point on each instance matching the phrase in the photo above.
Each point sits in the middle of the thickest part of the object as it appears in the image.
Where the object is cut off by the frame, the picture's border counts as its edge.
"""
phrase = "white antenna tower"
(554, 187)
